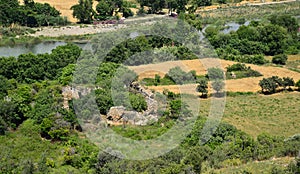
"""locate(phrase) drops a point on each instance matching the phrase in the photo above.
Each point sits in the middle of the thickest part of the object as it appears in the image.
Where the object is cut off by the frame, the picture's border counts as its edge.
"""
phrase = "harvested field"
(290, 57)
(235, 85)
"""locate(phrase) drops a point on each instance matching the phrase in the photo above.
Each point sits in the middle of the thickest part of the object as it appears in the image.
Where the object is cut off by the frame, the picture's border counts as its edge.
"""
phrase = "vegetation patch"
(237, 71)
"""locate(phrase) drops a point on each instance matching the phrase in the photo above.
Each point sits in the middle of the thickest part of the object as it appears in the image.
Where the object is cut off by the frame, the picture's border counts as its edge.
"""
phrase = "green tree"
(268, 85)
(237, 67)
(202, 87)
(274, 37)
(4, 86)
(298, 85)
(9, 115)
(175, 108)
(104, 100)
(104, 10)
(199, 3)
(157, 79)
(179, 76)
(83, 11)
(154, 5)
(287, 21)
(177, 5)
(277, 80)
(10, 12)
(67, 74)
(287, 82)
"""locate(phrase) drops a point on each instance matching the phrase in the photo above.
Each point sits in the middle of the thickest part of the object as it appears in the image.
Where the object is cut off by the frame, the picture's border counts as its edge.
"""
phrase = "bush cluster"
(270, 85)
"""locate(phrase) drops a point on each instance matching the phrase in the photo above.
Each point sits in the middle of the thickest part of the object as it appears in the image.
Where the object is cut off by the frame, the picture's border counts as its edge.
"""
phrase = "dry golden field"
(63, 7)
(235, 85)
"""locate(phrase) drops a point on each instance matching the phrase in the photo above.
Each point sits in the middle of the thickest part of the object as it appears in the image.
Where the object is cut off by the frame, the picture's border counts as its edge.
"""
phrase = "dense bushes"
(137, 102)
(180, 77)
(138, 51)
(30, 68)
(239, 70)
(257, 39)
(270, 85)
(30, 14)
(174, 76)
(22, 101)
(280, 59)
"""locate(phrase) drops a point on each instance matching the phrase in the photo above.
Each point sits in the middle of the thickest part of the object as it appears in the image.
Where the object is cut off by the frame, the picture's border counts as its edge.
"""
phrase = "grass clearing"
(276, 114)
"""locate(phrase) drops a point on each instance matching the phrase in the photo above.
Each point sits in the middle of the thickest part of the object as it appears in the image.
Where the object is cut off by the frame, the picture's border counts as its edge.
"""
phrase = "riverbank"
(32, 40)
(76, 30)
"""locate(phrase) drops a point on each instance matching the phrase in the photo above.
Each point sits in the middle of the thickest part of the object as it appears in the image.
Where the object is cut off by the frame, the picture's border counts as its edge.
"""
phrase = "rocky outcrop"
(115, 113)
(69, 92)
(118, 115)
(140, 89)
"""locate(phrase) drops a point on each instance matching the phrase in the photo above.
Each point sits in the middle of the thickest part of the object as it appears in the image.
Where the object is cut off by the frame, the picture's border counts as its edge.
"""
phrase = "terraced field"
(235, 85)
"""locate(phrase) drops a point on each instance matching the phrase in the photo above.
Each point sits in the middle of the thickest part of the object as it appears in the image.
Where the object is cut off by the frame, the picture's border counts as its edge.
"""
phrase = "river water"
(40, 48)
(48, 46)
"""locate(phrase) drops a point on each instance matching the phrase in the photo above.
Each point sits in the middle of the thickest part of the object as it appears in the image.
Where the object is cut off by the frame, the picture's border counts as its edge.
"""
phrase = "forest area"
(44, 131)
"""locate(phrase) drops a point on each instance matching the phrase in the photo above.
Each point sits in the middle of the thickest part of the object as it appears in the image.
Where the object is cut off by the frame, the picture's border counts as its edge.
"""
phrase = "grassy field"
(255, 114)
(263, 167)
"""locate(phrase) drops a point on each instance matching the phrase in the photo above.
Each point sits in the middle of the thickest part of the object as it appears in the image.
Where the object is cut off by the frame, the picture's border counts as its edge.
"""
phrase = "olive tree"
(218, 85)
(215, 73)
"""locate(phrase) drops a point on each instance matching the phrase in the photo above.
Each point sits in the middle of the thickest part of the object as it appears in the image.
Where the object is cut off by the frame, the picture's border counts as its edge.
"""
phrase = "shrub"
(253, 59)
(280, 59)
(241, 71)
(237, 67)
(138, 102)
